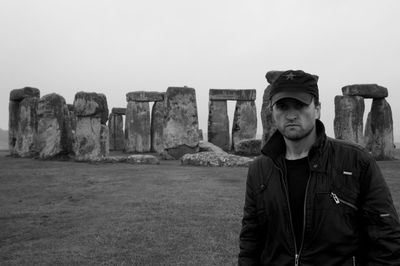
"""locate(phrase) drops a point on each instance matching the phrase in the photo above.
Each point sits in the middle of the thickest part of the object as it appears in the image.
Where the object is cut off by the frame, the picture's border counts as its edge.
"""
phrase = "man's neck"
(297, 149)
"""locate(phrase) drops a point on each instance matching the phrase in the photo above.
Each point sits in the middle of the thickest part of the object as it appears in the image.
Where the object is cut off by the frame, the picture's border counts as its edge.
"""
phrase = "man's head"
(295, 84)
(294, 102)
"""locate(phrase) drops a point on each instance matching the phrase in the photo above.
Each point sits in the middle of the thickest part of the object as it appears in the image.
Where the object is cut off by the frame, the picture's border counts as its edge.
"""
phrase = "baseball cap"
(295, 84)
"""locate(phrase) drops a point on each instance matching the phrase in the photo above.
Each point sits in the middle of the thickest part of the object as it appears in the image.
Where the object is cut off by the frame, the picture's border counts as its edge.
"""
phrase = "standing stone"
(266, 117)
(116, 132)
(218, 124)
(104, 141)
(348, 122)
(157, 126)
(13, 124)
(181, 126)
(72, 118)
(22, 121)
(87, 138)
(91, 104)
(27, 127)
(244, 122)
(380, 127)
(92, 113)
(137, 126)
(365, 90)
(54, 136)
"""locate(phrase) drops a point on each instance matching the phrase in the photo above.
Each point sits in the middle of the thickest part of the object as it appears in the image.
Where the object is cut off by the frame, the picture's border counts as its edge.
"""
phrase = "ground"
(68, 213)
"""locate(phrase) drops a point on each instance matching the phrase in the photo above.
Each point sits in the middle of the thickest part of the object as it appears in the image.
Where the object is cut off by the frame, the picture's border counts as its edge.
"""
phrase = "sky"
(119, 46)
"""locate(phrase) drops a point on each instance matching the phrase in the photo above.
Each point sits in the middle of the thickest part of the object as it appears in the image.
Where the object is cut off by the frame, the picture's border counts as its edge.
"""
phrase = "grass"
(66, 213)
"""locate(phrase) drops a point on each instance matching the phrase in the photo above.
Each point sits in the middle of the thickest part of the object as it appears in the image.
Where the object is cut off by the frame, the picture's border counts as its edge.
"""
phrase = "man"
(310, 199)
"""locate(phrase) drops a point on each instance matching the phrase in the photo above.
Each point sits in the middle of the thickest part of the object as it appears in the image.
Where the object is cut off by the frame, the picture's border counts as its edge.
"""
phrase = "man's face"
(294, 119)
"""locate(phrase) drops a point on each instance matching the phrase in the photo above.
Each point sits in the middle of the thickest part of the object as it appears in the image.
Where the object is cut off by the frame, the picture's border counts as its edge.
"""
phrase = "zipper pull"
(335, 198)
(296, 260)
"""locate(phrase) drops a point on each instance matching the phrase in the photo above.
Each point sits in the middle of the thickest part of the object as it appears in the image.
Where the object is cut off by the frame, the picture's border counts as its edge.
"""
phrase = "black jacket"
(349, 217)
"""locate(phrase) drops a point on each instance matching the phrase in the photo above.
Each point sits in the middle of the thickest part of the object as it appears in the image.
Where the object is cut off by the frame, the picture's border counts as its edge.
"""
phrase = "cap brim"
(303, 97)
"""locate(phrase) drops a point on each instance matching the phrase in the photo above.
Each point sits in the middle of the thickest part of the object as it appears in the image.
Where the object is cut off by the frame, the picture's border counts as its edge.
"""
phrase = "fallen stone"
(137, 127)
(179, 151)
(244, 122)
(216, 160)
(348, 122)
(266, 117)
(379, 131)
(218, 124)
(208, 146)
(365, 90)
(143, 159)
(248, 147)
(233, 95)
(181, 126)
(27, 92)
(118, 111)
(145, 96)
(91, 104)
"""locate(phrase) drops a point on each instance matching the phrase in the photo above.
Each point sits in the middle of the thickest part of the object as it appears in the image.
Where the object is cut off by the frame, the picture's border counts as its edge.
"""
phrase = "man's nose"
(291, 114)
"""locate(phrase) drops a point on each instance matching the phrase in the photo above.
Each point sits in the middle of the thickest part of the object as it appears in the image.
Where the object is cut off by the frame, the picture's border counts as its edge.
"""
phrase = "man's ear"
(318, 110)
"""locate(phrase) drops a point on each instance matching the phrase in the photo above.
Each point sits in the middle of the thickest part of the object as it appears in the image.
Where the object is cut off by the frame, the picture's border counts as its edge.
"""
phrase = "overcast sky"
(118, 46)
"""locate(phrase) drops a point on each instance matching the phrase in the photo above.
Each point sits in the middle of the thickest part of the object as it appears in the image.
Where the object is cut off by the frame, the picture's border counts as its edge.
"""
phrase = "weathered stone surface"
(118, 111)
(201, 134)
(266, 117)
(244, 122)
(91, 104)
(365, 90)
(137, 127)
(233, 95)
(208, 146)
(54, 135)
(104, 141)
(116, 132)
(248, 147)
(218, 124)
(27, 92)
(348, 122)
(145, 96)
(181, 126)
(13, 118)
(132, 159)
(157, 126)
(379, 130)
(27, 128)
(87, 145)
(215, 159)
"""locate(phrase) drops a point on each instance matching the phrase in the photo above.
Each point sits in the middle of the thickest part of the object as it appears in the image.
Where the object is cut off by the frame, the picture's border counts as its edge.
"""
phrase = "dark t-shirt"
(298, 172)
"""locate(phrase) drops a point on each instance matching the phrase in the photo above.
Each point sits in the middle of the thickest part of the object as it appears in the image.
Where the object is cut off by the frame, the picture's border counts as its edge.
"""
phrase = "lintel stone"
(118, 111)
(231, 94)
(20, 94)
(365, 90)
(145, 96)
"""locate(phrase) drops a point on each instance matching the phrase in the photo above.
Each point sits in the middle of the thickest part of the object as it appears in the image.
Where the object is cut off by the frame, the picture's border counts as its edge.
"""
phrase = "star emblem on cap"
(290, 76)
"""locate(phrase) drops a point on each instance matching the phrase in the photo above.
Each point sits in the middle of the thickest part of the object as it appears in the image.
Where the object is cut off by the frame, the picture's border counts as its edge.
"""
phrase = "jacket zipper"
(339, 200)
(296, 255)
(297, 252)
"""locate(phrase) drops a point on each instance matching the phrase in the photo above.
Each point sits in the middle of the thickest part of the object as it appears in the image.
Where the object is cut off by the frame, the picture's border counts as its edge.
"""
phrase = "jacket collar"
(276, 147)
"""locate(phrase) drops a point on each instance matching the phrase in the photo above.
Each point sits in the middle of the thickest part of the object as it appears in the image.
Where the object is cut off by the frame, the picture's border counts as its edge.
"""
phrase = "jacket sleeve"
(380, 219)
(249, 241)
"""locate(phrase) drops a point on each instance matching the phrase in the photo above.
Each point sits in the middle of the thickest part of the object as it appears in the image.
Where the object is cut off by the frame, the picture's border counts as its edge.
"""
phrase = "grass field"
(67, 213)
